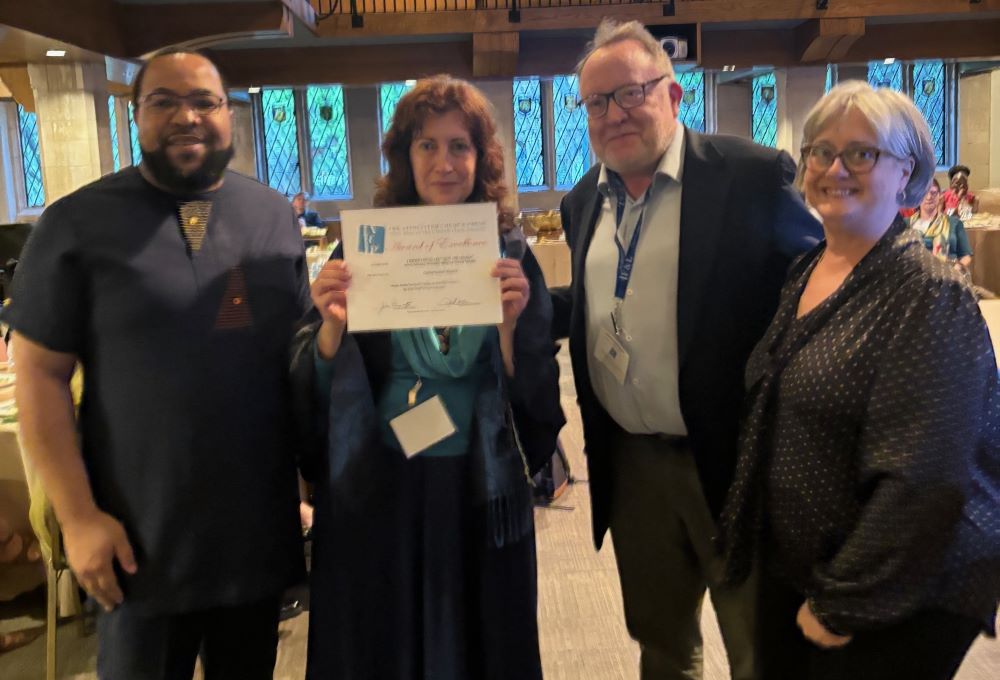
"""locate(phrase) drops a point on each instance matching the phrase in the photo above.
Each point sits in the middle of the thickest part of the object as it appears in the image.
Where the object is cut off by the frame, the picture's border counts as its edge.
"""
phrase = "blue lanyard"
(626, 259)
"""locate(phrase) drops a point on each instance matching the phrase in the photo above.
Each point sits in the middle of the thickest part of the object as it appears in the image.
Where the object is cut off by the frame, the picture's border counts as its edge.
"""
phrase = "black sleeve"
(796, 230)
(534, 389)
(562, 296)
(924, 421)
(49, 292)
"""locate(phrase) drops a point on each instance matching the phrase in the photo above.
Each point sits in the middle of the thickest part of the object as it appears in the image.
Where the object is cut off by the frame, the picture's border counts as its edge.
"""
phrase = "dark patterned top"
(871, 444)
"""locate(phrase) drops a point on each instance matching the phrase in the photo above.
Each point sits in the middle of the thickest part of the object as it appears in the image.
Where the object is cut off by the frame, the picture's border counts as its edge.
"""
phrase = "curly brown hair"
(436, 96)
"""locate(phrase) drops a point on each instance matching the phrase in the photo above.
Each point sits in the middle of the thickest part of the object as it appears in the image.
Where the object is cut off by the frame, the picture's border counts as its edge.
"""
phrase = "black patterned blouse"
(870, 456)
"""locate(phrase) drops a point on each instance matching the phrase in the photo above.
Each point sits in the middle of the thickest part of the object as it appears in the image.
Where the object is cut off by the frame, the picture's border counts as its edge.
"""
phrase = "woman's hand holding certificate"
(329, 294)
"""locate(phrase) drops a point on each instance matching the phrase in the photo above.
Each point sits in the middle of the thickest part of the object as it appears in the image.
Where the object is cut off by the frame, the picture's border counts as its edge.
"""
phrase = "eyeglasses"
(626, 96)
(202, 103)
(858, 160)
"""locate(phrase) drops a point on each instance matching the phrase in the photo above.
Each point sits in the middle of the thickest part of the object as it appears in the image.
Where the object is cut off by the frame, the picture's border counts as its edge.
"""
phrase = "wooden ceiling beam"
(90, 24)
(978, 39)
(355, 65)
(584, 17)
(827, 40)
(494, 55)
(16, 80)
(147, 28)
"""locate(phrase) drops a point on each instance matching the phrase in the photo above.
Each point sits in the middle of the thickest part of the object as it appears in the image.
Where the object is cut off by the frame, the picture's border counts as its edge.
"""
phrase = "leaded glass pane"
(764, 107)
(133, 134)
(328, 141)
(881, 74)
(528, 152)
(31, 159)
(281, 143)
(113, 126)
(570, 123)
(389, 95)
(831, 77)
(928, 95)
(692, 113)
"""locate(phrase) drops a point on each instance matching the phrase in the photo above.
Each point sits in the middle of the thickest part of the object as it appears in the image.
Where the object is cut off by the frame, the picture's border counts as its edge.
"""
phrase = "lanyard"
(626, 258)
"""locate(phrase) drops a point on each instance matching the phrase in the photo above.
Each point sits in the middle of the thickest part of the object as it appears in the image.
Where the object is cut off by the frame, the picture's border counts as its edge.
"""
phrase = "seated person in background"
(944, 235)
(306, 217)
(958, 200)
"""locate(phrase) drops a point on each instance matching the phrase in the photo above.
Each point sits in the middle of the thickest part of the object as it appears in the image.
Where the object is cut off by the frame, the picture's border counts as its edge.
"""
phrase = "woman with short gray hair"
(868, 483)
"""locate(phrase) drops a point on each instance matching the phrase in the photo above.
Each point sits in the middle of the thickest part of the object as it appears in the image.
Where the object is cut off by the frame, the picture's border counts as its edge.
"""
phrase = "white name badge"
(610, 353)
(422, 426)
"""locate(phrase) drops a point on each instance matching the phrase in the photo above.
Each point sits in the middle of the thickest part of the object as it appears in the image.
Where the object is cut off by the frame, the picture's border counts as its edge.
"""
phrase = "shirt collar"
(671, 165)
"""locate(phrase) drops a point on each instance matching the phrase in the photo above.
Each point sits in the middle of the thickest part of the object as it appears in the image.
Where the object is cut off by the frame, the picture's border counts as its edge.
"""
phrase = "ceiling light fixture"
(55, 53)
(730, 67)
(410, 83)
(889, 61)
(253, 89)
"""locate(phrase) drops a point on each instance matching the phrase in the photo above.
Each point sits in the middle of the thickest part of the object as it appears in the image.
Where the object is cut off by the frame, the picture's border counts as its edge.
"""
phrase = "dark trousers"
(928, 645)
(235, 643)
(662, 531)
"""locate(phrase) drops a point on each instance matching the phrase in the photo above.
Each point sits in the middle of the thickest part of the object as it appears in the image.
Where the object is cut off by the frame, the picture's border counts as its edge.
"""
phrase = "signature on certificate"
(396, 306)
(459, 302)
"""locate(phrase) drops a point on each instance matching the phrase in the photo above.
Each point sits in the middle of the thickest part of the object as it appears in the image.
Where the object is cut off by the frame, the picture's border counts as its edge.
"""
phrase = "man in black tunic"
(176, 286)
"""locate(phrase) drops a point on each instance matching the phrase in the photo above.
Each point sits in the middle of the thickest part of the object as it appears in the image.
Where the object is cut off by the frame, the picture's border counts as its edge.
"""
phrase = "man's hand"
(816, 632)
(92, 545)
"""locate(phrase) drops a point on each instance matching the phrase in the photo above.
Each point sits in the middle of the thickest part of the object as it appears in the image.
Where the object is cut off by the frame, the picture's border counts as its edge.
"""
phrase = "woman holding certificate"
(424, 549)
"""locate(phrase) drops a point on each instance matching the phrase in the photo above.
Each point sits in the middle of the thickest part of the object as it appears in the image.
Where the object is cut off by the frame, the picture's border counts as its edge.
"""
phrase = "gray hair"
(899, 126)
(610, 32)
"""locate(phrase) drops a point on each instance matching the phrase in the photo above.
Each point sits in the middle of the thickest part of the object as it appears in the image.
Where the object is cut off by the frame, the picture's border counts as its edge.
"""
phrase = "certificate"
(422, 266)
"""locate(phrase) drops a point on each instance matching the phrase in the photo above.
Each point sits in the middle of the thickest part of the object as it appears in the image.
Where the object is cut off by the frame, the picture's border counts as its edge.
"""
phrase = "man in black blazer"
(680, 243)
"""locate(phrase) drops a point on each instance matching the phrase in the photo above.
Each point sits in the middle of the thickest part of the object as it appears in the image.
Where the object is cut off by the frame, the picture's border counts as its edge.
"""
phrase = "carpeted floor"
(583, 636)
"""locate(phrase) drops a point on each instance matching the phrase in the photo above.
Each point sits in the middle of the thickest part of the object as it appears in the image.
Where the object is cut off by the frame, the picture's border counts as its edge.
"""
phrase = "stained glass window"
(764, 108)
(929, 96)
(528, 153)
(133, 134)
(831, 76)
(113, 127)
(331, 173)
(281, 143)
(692, 113)
(389, 95)
(570, 127)
(881, 74)
(31, 159)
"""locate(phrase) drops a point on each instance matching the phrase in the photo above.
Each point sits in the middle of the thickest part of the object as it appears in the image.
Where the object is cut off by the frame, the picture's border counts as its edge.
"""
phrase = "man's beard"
(201, 178)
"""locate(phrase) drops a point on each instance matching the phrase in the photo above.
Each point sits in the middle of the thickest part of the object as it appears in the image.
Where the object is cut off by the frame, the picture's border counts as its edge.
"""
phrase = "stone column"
(71, 101)
(798, 91)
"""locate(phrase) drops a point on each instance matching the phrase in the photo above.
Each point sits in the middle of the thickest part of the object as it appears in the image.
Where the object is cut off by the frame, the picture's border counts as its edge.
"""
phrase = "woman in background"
(944, 235)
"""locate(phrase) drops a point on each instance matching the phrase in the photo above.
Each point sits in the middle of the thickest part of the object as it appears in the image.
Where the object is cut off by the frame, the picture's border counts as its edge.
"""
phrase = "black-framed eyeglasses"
(858, 160)
(202, 103)
(627, 97)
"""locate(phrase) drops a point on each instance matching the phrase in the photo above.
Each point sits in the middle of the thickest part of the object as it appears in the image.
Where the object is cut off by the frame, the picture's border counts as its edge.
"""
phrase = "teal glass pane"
(570, 123)
(692, 113)
(528, 154)
(331, 171)
(113, 126)
(831, 78)
(881, 74)
(764, 110)
(31, 159)
(928, 95)
(281, 143)
(133, 134)
(389, 95)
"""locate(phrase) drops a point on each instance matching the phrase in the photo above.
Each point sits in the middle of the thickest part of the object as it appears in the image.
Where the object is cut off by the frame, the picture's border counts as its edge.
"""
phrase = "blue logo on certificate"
(371, 239)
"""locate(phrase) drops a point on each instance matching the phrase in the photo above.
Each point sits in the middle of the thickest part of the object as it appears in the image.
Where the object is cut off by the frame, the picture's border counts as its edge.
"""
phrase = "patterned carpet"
(583, 635)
